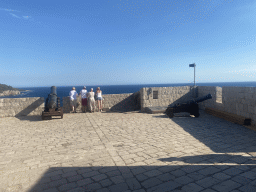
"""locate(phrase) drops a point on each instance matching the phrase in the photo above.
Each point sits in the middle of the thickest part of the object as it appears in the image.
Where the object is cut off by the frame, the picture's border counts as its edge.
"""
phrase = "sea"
(63, 91)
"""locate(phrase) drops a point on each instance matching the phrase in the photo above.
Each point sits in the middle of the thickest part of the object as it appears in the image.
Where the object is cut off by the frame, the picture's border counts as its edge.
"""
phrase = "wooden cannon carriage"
(52, 105)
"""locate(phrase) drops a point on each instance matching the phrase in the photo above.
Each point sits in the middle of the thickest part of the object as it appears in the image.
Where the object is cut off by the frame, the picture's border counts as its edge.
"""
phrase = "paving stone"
(55, 177)
(166, 177)
(240, 179)
(113, 173)
(127, 175)
(248, 188)
(106, 182)
(69, 174)
(167, 186)
(166, 169)
(84, 182)
(90, 174)
(228, 185)
(141, 177)
(103, 190)
(84, 170)
(50, 190)
(243, 167)
(192, 187)
(239, 160)
(78, 189)
(119, 187)
(75, 178)
(151, 182)
(92, 187)
(191, 169)
(208, 190)
(249, 174)
(67, 186)
(117, 179)
(209, 171)
(183, 180)
(152, 173)
(221, 176)
(140, 190)
(57, 183)
(196, 176)
(253, 182)
(232, 171)
(138, 170)
(207, 182)
(133, 184)
(108, 169)
(50, 174)
(178, 173)
(99, 177)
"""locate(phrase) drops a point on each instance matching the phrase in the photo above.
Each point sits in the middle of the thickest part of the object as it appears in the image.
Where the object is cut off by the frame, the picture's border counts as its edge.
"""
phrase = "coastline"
(12, 92)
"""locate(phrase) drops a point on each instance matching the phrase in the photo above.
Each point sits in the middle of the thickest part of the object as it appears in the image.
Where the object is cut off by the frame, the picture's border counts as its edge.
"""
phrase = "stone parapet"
(235, 100)
(164, 96)
(111, 102)
(14, 107)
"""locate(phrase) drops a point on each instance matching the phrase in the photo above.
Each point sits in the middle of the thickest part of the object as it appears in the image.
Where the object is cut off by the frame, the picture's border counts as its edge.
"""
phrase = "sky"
(122, 42)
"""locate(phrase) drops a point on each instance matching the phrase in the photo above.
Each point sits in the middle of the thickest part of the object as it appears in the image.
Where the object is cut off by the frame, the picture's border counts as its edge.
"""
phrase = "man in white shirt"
(72, 95)
(83, 94)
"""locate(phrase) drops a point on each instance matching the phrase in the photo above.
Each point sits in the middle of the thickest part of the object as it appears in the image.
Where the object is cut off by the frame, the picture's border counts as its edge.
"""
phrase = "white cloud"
(14, 15)
(26, 17)
(9, 10)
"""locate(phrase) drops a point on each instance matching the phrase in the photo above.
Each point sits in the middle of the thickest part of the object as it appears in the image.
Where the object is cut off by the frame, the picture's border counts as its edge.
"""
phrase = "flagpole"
(194, 75)
(194, 65)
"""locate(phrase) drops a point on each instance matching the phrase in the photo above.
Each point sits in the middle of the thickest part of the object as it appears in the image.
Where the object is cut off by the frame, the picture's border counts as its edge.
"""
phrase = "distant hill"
(4, 87)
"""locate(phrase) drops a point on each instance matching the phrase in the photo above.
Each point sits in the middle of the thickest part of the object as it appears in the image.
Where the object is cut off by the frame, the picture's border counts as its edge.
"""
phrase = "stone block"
(250, 109)
(245, 108)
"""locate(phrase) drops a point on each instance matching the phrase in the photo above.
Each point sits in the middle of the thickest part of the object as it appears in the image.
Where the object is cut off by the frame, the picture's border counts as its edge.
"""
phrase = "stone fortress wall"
(164, 96)
(235, 100)
(113, 102)
(14, 107)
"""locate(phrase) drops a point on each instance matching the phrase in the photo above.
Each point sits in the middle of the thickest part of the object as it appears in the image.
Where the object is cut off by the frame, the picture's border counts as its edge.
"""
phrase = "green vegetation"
(4, 87)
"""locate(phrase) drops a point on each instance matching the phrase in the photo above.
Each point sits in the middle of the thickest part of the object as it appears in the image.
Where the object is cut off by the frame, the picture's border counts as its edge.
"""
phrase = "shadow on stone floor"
(219, 135)
(213, 158)
(148, 178)
(30, 118)
(36, 118)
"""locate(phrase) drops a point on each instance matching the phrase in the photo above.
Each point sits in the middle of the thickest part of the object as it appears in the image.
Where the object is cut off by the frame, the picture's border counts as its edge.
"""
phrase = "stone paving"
(126, 152)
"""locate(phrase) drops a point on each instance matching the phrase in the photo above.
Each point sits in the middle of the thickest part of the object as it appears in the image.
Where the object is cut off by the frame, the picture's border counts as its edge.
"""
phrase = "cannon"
(52, 105)
(190, 106)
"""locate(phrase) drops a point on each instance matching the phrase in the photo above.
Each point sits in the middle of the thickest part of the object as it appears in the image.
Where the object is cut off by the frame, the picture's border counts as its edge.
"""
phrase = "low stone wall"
(164, 96)
(111, 102)
(236, 100)
(15, 107)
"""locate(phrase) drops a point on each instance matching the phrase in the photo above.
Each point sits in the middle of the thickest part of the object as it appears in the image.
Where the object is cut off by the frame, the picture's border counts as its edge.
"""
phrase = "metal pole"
(194, 75)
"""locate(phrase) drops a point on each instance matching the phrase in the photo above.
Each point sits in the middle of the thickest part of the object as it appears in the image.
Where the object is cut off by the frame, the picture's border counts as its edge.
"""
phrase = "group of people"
(88, 99)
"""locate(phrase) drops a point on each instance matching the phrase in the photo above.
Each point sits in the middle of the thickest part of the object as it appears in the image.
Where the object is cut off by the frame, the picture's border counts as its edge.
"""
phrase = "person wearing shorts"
(99, 99)
(91, 101)
(72, 95)
(83, 94)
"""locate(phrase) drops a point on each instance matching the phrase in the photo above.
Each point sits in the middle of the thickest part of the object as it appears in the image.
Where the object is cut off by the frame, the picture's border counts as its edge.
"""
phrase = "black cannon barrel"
(53, 90)
(201, 99)
(190, 106)
(52, 98)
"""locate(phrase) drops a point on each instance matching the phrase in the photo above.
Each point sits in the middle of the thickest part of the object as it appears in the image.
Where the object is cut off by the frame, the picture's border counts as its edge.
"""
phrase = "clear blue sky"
(101, 42)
